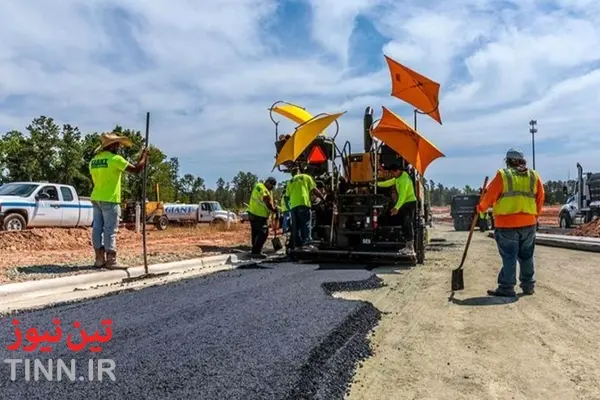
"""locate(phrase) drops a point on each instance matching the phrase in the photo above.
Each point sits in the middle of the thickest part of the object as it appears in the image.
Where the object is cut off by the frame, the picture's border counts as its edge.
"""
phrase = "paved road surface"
(244, 334)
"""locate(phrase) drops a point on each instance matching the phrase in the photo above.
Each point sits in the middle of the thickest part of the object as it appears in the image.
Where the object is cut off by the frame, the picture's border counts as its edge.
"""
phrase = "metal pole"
(415, 113)
(533, 131)
(144, 195)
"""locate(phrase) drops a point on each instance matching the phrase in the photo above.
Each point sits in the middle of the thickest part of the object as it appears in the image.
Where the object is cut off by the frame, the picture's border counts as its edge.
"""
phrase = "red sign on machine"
(317, 156)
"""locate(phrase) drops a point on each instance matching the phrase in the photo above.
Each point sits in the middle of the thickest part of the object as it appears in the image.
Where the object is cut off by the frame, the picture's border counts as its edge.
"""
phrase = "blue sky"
(208, 70)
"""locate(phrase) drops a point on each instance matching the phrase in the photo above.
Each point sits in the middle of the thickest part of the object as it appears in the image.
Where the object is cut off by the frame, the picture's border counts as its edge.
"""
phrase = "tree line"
(441, 195)
(53, 153)
(60, 154)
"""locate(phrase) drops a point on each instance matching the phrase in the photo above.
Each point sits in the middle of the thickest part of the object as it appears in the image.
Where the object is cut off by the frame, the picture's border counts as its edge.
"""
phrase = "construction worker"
(517, 195)
(406, 204)
(285, 211)
(299, 190)
(106, 169)
(259, 210)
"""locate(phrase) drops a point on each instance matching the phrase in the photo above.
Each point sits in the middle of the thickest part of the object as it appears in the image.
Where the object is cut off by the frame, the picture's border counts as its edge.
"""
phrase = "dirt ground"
(46, 253)
(549, 215)
(591, 229)
(544, 346)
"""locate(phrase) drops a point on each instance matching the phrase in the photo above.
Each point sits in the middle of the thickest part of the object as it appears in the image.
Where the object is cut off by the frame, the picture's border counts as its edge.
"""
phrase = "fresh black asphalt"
(271, 333)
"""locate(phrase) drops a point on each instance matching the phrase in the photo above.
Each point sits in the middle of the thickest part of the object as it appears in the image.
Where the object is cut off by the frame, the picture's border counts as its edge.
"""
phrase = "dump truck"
(354, 221)
(462, 210)
(583, 200)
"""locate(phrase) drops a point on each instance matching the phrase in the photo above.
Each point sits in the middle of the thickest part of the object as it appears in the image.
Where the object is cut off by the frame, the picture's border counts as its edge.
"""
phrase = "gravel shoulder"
(544, 346)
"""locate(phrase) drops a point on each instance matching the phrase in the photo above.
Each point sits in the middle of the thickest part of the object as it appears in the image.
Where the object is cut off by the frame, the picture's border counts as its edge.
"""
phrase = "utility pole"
(533, 130)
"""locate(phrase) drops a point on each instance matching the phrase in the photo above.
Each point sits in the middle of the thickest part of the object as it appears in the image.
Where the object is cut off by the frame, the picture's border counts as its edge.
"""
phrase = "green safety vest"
(518, 193)
(257, 205)
(284, 207)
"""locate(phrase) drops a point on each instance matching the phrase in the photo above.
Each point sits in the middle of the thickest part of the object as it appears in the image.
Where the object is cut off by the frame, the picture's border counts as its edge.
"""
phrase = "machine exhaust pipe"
(580, 183)
(368, 121)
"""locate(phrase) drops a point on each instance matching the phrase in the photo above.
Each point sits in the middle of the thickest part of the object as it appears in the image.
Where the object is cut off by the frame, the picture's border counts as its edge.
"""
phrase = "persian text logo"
(57, 370)
(37, 368)
(35, 339)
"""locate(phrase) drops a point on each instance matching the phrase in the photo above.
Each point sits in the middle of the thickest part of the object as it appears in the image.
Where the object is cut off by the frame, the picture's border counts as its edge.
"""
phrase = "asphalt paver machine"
(354, 223)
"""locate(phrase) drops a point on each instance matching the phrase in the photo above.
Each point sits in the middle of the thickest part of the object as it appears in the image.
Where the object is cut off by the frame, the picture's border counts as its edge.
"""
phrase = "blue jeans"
(285, 219)
(301, 226)
(516, 244)
(105, 225)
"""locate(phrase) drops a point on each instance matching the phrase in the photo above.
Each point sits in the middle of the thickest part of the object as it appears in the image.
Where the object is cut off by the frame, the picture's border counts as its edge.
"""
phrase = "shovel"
(458, 282)
(276, 241)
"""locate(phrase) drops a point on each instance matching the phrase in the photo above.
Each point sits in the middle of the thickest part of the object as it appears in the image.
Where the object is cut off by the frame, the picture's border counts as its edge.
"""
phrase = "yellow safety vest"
(257, 205)
(518, 193)
(284, 207)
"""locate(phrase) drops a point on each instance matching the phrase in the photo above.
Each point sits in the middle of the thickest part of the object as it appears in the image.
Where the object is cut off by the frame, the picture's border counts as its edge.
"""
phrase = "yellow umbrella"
(404, 140)
(291, 111)
(304, 136)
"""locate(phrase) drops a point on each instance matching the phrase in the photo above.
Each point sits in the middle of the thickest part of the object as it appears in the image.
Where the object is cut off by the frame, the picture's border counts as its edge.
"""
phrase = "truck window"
(50, 191)
(18, 189)
(67, 193)
(204, 207)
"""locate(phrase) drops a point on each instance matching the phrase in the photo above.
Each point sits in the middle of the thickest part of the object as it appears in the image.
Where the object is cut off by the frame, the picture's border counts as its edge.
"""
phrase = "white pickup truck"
(37, 204)
(203, 212)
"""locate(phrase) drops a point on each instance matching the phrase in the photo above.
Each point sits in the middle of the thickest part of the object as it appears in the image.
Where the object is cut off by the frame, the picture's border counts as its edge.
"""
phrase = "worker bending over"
(259, 209)
(299, 190)
(406, 204)
(517, 195)
(106, 169)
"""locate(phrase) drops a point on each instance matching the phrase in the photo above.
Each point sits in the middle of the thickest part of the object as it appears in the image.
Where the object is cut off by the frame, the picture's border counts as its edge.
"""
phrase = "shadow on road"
(483, 300)
(54, 269)
(225, 249)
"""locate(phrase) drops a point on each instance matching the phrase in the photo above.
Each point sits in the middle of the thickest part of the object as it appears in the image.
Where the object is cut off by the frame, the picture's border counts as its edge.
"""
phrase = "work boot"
(258, 256)
(528, 291)
(111, 260)
(409, 249)
(100, 258)
(502, 293)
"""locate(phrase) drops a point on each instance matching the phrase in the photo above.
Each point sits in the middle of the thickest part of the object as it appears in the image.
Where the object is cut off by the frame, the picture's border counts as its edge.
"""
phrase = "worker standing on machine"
(517, 195)
(406, 204)
(259, 209)
(299, 190)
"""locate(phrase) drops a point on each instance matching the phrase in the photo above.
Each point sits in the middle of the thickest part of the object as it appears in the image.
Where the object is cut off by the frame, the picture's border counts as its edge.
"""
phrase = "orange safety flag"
(304, 136)
(415, 89)
(404, 140)
(291, 111)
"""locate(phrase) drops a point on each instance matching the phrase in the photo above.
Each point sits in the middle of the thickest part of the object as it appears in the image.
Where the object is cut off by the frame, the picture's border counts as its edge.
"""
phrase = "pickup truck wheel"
(162, 223)
(14, 222)
(565, 221)
(218, 222)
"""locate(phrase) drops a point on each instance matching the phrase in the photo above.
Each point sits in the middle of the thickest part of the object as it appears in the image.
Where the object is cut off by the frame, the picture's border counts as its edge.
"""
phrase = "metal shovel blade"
(458, 282)
(276, 242)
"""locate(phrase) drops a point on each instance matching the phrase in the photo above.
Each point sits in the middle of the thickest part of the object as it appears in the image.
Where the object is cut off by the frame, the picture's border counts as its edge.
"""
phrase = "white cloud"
(208, 71)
